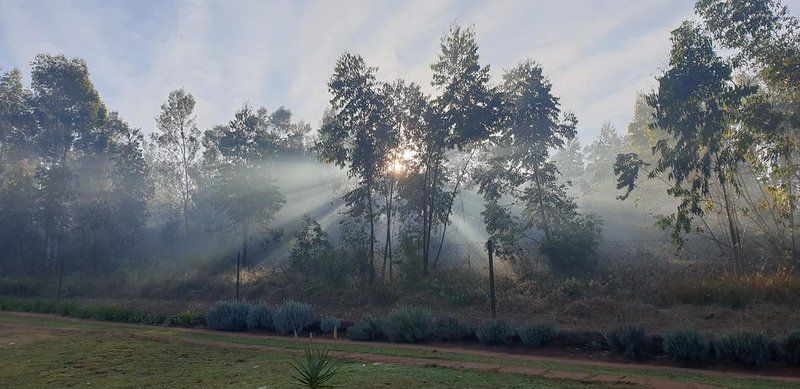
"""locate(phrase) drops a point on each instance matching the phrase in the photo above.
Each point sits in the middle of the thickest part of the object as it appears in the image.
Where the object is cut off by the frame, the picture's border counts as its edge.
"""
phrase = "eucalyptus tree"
(765, 40)
(176, 149)
(519, 168)
(695, 105)
(462, 116)
(358, 135)
(240, 156)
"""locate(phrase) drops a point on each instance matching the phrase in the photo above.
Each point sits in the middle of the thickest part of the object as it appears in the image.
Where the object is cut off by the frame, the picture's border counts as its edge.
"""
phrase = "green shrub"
(570, 246)
(537, 335)
(329, 323)
(687, 346)
(315, 369)
(449, 328)
(228, 315)
(746, 348)
(368, 328)
(628, 341)
(791, 348)
(495, 332)
(408, 324)
(186, 319)
(260, 317)
(293, 317)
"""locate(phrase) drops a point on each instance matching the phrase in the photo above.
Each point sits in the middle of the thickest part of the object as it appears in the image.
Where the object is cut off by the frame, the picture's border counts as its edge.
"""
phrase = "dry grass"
(732, 289)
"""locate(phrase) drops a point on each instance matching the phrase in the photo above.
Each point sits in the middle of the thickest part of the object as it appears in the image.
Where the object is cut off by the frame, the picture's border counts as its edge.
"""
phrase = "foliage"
(570, 247)
(186, 319)
(366, 329)
(629, 341)
(228, 315)
(495, 332)
(315, 369)
(293, 317)
(260, 317)
(408, 324)
(449, 328)
(82, 311)
(686, 345)
(537, 335)
(329, 324)
(746, 348)
(791, 348)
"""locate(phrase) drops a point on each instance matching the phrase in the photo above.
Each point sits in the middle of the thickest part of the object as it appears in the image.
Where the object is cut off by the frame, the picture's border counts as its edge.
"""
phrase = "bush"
(495, 332)
(537, 335)
(791, 348)
(570, 246)
(316, 368)
(260, 317)
(449, 328)
(408, 324)
(228, 315)
(293, 317)
(688, 346)
(628, 341)
(368, 328)
(329, 323)
(186, 319)
(746, 348)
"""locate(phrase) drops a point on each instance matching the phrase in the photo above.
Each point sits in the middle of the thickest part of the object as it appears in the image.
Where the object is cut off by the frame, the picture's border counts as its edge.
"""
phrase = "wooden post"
(237, 275)
(490, 249)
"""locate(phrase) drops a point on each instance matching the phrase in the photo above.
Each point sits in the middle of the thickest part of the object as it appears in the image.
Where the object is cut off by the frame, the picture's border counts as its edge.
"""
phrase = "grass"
(389, 350)
(105, 360)
(732, 289)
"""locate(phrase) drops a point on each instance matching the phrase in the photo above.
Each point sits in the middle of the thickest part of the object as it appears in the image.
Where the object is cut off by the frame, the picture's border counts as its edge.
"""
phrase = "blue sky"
(598, 54)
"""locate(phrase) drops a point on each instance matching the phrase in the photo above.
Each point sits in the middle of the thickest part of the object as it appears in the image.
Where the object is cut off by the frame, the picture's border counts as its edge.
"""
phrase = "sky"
(598, 54)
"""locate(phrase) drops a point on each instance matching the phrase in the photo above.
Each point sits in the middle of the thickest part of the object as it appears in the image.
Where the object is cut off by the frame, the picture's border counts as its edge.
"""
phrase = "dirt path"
(158, 333)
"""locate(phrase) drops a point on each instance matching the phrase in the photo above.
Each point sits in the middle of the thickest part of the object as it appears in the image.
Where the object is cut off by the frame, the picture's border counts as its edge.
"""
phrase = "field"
(47, 351)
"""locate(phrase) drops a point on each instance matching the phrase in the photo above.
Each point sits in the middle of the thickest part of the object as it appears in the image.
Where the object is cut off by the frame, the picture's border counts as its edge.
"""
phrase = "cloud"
(598, 55)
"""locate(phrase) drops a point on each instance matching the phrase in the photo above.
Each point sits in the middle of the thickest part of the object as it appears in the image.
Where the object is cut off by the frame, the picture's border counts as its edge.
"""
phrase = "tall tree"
(177, 150)
(463, 115)
(243, 153)
(358, 136)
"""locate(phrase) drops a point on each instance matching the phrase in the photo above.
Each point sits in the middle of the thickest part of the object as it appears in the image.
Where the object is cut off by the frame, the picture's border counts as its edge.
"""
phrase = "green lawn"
(109, 361)
(113, 359)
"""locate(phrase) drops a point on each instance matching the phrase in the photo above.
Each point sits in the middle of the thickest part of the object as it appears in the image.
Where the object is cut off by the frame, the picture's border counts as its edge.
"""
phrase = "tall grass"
(733, 289)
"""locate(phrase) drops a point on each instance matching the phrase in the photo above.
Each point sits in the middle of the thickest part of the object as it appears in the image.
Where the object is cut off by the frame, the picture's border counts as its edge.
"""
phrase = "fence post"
(490, 249)
(237, 275)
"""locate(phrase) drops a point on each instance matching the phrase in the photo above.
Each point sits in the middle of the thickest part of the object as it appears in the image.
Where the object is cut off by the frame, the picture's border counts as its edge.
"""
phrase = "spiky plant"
(315, 369)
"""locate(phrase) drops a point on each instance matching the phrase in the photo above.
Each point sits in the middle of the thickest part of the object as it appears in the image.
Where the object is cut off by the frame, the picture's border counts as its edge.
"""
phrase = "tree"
(242, 187)
(694, 104)
(358, 136)
(519, 168)
(600, 157)
(462, 117)
(177, 142)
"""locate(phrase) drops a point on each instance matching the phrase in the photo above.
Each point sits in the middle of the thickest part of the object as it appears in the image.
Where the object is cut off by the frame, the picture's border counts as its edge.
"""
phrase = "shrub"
(228, 315)
(746, 348)
(329, 323)
(292, 317)
(791, 348)
(315, 369)
(537, 335)
(570, 246)
(628, 341)
(186, 319)
(260, 317)
(495, 332)
(408, 324)
(449, 328)
(686, 345)
(368, 328)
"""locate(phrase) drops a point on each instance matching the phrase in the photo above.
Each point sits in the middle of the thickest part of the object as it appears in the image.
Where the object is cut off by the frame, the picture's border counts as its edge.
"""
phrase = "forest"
(686, 215)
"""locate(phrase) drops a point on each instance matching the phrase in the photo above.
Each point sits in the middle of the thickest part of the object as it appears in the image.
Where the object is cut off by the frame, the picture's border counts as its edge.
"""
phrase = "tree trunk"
(388, 244)
(371, 234)
(431, 216)
(450, 207)
(542, 212)
(245, 232)
(732, 227)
